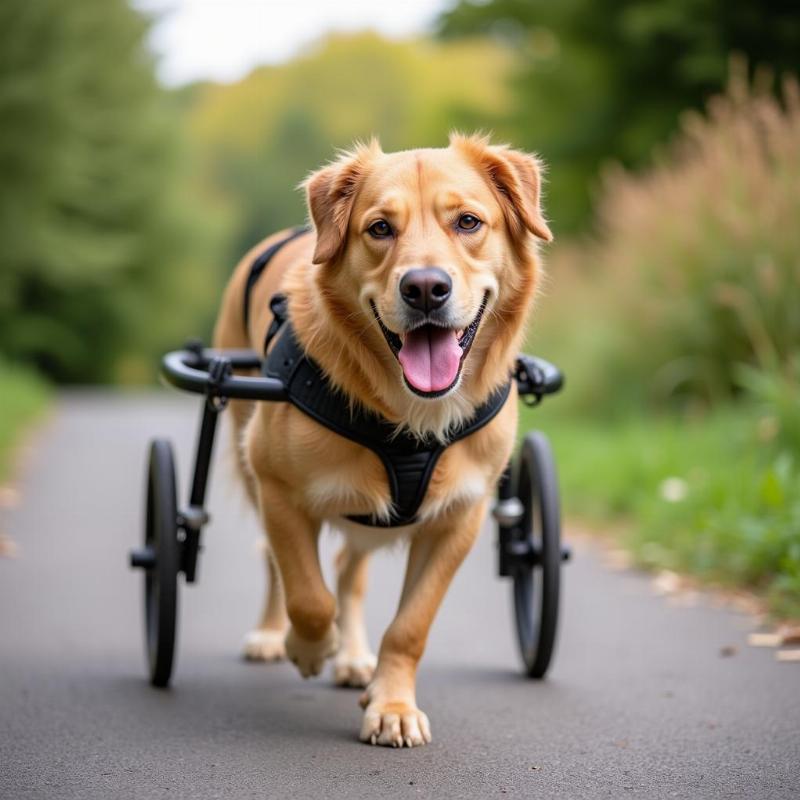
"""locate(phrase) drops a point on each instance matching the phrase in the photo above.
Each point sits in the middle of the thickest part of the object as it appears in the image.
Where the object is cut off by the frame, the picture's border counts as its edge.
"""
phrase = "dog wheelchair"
(526, 512)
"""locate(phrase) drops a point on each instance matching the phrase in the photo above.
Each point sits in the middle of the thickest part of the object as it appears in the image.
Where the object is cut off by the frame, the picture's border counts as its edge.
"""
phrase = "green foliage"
(696, 270)
(775, 391)
(715, 496)
(687, 302)
(23, 397)
(88, 214)
(608, 79)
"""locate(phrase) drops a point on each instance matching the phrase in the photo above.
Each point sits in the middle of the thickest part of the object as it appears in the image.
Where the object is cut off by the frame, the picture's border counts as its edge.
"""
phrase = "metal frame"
(210, 372)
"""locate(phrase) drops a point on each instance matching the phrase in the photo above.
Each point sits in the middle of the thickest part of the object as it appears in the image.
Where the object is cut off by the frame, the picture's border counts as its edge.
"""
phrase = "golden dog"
(463, 222)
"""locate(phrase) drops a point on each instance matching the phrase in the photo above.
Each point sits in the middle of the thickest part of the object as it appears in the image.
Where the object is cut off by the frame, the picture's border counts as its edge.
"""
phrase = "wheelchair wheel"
(162, 552)
(536, 575)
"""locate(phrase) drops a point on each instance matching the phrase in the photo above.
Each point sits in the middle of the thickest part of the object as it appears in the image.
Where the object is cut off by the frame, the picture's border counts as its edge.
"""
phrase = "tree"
(608, 79)
(255, 140)
(88, 222)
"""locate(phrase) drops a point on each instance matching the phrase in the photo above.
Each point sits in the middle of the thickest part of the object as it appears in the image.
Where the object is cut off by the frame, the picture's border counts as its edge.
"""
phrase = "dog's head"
(427, 260)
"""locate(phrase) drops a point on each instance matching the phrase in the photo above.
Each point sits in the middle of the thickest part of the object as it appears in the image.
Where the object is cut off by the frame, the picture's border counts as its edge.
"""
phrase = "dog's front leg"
(391, 715)
(293, 535)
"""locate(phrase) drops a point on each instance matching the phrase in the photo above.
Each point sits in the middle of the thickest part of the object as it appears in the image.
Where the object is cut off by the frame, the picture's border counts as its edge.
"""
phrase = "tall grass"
(678, 326)
(704, 250)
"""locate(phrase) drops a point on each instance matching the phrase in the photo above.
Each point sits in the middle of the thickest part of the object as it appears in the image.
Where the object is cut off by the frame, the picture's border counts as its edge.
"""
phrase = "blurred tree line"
(92, 231)
(124, 206)
(255, 140)
(607, 80)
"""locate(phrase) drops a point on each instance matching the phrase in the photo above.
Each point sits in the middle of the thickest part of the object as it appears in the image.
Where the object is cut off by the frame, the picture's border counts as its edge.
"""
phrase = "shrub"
(699, 259)
(23, 397)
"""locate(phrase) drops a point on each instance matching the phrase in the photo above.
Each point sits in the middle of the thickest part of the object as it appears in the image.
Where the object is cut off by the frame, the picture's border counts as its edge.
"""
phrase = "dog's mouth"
(431, 355)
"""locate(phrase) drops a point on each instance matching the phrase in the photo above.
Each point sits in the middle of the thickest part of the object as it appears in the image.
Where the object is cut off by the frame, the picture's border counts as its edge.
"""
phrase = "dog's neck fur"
(352, 352)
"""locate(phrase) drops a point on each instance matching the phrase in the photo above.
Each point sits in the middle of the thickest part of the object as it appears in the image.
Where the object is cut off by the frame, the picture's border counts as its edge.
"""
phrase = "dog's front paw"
(353, 669)
(395, 724)
(310, 656)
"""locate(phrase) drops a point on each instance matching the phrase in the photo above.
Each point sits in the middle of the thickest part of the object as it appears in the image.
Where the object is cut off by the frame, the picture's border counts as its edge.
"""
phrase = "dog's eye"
(380, 229)
(468, 222)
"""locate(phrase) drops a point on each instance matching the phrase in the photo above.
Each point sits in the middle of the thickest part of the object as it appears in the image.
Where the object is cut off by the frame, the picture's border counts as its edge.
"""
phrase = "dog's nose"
(426, 289)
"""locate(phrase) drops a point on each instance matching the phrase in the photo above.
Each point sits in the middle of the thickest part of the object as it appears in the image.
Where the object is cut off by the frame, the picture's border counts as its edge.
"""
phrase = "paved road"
(639, 704)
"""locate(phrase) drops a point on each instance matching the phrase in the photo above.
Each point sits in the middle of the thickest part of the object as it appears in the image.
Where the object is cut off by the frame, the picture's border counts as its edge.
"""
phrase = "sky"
(222, 40)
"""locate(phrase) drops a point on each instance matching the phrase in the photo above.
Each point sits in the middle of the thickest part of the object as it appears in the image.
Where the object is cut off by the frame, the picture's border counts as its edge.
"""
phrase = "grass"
(23, 397)
(676, 324)
(715, 496)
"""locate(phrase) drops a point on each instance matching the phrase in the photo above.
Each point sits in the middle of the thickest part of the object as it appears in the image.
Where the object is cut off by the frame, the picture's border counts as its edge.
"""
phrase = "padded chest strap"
(260, 264)
(409, 461)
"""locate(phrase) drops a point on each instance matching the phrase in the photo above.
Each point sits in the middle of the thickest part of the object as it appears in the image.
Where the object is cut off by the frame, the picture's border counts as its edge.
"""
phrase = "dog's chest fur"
(334, 477)
(362, 489)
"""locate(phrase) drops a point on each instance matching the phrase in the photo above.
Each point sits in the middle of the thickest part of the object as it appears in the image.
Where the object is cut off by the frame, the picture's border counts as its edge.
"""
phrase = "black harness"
(260, 264)
(408, 460)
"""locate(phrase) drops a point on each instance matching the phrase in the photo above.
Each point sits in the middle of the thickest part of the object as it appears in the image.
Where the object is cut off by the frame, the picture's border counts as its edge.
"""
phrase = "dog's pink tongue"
(430, 357)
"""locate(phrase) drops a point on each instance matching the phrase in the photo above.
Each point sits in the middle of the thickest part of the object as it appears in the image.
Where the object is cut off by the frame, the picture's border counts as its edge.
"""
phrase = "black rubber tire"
(161, 580)
(536, 588)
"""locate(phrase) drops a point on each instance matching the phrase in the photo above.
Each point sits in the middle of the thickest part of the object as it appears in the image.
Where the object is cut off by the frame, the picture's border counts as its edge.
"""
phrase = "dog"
(411, 292)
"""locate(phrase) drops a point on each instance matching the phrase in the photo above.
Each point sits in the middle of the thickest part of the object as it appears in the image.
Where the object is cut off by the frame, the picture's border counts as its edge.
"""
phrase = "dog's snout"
(426, 289)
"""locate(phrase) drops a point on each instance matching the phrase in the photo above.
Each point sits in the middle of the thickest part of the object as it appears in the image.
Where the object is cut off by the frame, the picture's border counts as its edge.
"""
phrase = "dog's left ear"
(331, 192)
(516, 178)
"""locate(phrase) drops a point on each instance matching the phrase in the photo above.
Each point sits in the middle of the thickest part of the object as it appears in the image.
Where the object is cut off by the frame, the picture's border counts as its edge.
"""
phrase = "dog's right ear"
(331, 192)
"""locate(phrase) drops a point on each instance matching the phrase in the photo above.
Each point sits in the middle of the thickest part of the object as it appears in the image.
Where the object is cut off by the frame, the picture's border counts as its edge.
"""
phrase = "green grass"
(23, 397)
(715, 496)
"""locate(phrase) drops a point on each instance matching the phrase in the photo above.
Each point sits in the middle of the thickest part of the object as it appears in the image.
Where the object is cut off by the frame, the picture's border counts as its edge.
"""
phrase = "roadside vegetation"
(23, 399)
(678, 326)
(706, 495)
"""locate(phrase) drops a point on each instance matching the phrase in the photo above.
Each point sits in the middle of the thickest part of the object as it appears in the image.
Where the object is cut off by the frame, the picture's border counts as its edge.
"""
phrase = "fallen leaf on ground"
(788, 655)
(9, 497)
(667, 582)
(790, 635)
(764, 639)
(8, 547)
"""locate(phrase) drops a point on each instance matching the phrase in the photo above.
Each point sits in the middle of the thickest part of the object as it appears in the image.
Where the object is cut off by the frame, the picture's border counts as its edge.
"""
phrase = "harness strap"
(409, 461)
(279, 306)
(260, 264)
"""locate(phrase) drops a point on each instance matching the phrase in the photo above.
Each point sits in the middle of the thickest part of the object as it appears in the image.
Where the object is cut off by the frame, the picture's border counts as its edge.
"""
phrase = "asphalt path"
(641, 700)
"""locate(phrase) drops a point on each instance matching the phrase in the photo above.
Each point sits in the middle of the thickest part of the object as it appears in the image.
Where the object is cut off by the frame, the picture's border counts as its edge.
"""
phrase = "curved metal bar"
(188, 370)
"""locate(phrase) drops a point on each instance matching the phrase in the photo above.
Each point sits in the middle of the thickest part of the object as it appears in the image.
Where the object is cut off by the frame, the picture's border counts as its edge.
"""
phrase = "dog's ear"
(330, 193)
(516, 179)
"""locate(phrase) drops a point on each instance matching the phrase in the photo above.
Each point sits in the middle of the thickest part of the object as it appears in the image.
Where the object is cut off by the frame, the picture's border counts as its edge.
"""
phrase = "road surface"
(640, 701)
